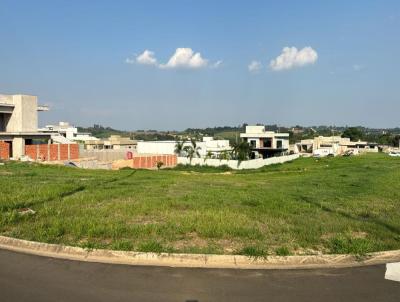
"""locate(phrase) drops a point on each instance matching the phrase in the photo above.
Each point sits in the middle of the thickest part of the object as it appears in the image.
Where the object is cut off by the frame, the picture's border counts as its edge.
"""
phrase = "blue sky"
(82, 58)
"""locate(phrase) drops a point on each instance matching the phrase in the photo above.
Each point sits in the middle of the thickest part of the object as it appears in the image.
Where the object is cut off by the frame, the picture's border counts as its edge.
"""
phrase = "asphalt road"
(32, 278)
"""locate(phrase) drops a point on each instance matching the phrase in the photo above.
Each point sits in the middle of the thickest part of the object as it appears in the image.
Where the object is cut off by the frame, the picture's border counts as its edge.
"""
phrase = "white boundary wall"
(234, 164)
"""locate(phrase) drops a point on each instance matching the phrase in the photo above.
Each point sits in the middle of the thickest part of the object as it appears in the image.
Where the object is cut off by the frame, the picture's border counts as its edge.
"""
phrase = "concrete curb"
(193, 260)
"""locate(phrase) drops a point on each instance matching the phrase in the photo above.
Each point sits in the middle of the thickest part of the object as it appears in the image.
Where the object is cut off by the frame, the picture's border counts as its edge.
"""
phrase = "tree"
(241, 151)
(192, 151)
(179, 147)
(159, 164)
(396, 141)
(355, 134)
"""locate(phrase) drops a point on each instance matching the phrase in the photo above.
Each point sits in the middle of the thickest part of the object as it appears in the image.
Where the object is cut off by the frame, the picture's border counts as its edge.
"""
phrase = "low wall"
(4, 150)
(104, 155)
(92, 163)
(52, 152)
(146, 162)
(234, 164)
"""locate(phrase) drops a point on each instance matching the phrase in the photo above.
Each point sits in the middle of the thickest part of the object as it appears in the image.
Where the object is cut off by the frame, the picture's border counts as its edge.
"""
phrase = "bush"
(159, 165)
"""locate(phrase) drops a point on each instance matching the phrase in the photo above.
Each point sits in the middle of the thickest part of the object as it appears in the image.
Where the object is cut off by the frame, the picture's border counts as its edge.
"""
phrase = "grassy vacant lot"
(331, 205)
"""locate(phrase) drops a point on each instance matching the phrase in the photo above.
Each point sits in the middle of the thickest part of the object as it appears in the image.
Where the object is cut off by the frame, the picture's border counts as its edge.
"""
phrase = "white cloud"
(292, 57)
(146, 58)
(182, 58)
(185, 58)
(254, 66)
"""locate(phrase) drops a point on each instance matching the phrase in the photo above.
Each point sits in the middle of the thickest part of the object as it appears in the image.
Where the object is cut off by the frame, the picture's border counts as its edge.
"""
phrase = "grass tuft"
(151, 247)
(282, 251)
(253, 251)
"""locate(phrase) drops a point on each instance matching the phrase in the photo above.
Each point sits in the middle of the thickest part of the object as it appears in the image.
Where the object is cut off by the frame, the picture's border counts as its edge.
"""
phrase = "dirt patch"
(355, 235)
(358, 235)
(191, 239)
(328, 236)
(101, 242)
(26, 211)
(6, 173)
(190, 173)
(304, 252)
(229, 246)
(145, 220)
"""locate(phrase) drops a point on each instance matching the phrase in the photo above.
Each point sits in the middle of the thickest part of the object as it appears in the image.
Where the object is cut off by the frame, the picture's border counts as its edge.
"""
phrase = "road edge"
(193, 260)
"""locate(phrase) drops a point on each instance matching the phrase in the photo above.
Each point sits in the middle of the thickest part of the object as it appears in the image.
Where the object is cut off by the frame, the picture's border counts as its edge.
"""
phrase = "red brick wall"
(56, 151)
(74, 151)
(150, 161)
(145, 162)
(30, 150)
(4, 150)
(53, 152)
(43, 152)
(63, 151)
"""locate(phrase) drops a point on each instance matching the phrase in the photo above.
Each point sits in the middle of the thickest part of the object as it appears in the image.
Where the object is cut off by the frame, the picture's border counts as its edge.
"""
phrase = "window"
(267, 142)
(279, 144)
(252, 143)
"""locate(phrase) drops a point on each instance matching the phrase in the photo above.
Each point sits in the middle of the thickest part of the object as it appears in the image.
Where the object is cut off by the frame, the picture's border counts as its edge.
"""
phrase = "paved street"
(32, 278)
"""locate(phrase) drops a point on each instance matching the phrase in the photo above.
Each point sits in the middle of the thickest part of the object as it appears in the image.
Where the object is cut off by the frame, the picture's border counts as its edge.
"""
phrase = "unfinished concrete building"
(19, 122)
(19, 134)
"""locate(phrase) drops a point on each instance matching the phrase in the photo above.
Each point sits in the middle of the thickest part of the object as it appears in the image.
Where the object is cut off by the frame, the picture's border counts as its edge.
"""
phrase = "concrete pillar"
(48, 149)
(18, 147)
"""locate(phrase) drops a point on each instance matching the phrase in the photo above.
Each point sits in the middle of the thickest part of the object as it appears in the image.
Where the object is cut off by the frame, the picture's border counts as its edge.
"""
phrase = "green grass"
(308, 206)
(282, 251)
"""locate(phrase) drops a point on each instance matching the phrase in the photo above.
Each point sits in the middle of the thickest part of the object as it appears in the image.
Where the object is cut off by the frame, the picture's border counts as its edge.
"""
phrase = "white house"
(333, 145)
(265, 143)
(69, 132)
(206, 146)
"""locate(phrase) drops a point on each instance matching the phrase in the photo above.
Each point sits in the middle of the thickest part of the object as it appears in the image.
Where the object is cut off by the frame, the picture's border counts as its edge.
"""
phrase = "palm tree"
(241, 151)
(195, 148)
(179, 147)
(192, 151)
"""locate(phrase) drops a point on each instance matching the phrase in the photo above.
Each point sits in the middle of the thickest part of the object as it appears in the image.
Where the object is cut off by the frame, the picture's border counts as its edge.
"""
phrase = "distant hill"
(145, 135)
(104, 132)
